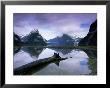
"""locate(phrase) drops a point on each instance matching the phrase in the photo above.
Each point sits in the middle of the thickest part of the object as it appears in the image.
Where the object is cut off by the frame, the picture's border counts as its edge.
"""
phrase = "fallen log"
(36, 64)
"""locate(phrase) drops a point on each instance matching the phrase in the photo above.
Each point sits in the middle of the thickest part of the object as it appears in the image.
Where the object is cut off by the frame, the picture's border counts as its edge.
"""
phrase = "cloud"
(51, 25)
(85, 25)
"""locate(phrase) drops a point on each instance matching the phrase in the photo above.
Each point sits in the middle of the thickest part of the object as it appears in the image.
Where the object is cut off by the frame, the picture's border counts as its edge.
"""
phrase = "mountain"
(34, 38)
(91, 38)
(17, 40)
(61, 41)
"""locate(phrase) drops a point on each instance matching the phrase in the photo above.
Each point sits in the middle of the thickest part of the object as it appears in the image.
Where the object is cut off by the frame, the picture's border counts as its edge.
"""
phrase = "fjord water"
(76, 64)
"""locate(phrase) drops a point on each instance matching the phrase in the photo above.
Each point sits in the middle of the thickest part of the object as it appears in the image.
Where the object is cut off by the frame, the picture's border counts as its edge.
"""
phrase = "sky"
(51, 25)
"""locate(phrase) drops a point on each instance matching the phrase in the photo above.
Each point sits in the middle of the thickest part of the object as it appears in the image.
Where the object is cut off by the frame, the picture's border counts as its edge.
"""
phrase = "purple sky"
(51, 25)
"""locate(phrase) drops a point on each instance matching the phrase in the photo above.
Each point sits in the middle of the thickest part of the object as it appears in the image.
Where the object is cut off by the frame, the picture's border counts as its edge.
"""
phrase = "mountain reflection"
(33, 51)
(63, 51)
(77, 59)
(16, 49)
(91, 53)
(36, 51)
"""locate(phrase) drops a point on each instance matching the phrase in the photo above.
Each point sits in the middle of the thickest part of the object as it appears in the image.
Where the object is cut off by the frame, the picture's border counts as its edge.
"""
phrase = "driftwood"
(42, 62)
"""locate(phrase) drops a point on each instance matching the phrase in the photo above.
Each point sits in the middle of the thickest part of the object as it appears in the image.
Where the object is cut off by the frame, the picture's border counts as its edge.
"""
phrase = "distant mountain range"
(35, 38)
(61, 41)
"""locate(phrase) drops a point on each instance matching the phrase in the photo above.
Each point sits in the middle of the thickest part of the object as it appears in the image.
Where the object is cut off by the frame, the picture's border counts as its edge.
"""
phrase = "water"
(76, 64)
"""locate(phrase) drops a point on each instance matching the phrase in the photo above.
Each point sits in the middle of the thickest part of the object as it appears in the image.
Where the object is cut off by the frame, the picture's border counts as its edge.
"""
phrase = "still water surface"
(76, 64)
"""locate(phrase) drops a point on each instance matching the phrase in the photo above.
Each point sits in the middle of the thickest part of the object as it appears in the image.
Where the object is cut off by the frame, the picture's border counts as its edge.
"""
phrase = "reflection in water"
(91, 53)
(76, 64)
(63, 51)
(16, 49)
(57, 63)
(33, 51)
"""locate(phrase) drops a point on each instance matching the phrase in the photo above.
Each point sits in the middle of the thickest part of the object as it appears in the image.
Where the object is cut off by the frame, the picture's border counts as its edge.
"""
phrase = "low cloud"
(51, 25)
